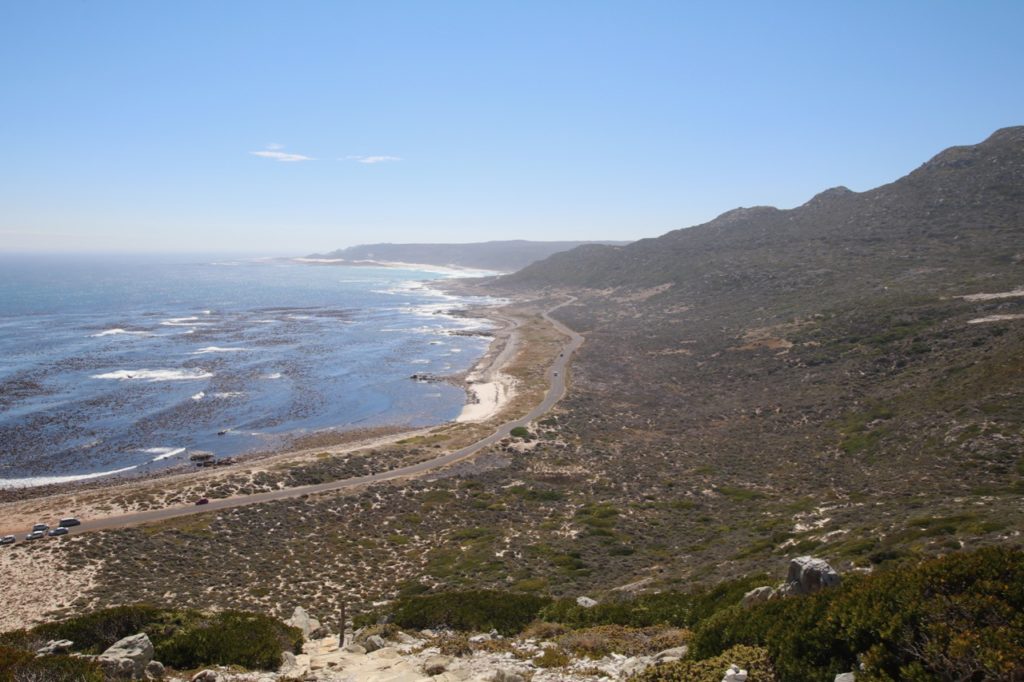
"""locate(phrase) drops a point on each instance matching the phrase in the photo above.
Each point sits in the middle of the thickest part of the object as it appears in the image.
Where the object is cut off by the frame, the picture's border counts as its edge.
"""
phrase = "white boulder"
(135, 649)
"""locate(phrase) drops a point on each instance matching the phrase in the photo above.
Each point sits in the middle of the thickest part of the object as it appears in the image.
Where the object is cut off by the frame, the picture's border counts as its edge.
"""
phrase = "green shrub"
(520, 432)
(94, 632)
(21, 639)
(754, 660)
(453, 644)
(477, 610)
(18, 665)
(184, 638)
(552, 657)
(231, 638)
(958, 617)
(802, 641)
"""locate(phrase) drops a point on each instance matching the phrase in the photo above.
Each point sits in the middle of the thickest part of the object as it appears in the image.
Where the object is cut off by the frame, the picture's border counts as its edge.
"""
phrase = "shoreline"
(299, 441)
(489, 392)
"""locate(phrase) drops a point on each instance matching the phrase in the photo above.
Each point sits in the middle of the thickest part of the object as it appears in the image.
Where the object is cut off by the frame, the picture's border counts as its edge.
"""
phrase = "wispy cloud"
(273, 151)
(374, 159)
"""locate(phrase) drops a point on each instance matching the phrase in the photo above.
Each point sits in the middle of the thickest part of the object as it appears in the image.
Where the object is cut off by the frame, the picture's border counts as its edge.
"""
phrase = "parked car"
(59, 530)
(69, 521)
(40, 527)
(202, 500)
(7, 540)
(34, 535)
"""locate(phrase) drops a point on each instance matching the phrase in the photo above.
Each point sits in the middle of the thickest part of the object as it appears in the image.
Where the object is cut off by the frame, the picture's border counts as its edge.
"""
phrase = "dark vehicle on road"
(59, 530)
(202, 500)
(69, 521)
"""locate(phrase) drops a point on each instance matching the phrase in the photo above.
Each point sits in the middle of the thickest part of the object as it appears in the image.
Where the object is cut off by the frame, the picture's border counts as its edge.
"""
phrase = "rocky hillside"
(957, 220)
(503, 256)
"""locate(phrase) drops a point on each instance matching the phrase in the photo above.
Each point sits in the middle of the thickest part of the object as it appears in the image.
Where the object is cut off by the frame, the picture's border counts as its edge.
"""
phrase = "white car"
(7, 540)
(40, 526)
(35, 535)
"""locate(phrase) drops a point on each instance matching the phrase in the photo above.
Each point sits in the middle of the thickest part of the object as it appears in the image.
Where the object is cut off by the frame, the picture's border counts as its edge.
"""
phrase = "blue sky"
(168, 126)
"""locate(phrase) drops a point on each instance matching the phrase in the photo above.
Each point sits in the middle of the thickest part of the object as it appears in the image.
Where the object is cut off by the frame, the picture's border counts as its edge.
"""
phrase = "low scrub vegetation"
(182, 638)
(18, 665)
(958, 617)
(231, 638)
(680, 609)
(754, 660)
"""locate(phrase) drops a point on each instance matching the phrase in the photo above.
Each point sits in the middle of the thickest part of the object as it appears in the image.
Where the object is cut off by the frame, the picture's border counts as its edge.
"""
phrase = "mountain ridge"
(957, 195)
(498, 255)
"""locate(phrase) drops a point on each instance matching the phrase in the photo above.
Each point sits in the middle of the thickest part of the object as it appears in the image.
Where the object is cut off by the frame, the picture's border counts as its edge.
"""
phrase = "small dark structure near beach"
(202, 459)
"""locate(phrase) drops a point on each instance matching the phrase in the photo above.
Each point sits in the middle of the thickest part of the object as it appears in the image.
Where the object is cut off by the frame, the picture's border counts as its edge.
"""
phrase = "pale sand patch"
(1016, 293)
(996, 318)
(491, 389)
(35, 581)
(488, 399)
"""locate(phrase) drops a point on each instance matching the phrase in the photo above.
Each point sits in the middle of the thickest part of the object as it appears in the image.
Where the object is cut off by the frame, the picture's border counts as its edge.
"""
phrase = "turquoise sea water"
(128, 364)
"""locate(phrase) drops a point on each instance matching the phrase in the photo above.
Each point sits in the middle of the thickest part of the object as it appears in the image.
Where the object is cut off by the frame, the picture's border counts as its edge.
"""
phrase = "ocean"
(129, 364)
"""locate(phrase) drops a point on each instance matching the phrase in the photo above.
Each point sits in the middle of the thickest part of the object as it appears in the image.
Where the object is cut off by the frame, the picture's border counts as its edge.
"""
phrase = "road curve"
(555, 374)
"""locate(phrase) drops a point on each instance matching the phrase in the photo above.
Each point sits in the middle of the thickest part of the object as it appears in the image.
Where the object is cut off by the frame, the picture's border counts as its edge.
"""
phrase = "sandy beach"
(489, 388)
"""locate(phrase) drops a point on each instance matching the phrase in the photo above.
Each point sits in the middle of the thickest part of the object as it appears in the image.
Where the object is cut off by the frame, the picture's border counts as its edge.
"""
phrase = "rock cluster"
(303, 621)
(806, 575)
(130, 658)
(55, 646)
(735, 674)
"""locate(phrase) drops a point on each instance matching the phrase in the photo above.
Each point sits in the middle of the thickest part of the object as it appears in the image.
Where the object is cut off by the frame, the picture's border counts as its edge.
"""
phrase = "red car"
(202, 500)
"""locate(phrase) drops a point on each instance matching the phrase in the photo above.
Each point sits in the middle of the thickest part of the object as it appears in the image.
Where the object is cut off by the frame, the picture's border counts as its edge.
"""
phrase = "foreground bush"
(94, 632)
(754, 660)
(474, 610)
(18, 665)
(231, 638)
(959, 617)
(182, 638)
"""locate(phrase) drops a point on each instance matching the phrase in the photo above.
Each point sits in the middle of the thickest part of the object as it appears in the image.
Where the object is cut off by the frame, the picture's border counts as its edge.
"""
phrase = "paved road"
(555, 374)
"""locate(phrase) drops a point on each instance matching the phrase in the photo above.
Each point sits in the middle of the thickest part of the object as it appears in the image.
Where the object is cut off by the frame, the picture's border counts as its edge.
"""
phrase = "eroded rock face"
(845, 677)
(290, 665)
(206, 676)
(303, 621)
(56, 646)
(807, 575)
(735, 674)
(673, 654)
(757, 595)
(128, 657)
(154, 670)
(374, 643)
